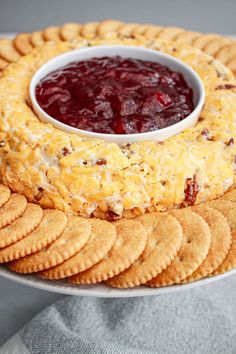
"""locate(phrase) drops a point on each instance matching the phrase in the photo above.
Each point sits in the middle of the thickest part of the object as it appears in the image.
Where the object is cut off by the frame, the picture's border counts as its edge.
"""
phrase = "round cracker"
(216, 44)
(220, 241)
(232, 64)
(36, 38)
(5, 194)
(103, 235)
(51, 226)
(129, 244)
(226, 53)
(194, 249)
(69, 31)
(163, 242)
(3, 64)
(12, 209)
(127, 28)
(89, 30)
(231, 195)
(229, 262)
(227, 208)
(52, 33)
(72, 239)
(169, 33)
(108, 26)
(22, 43)
(203, 40)
(139, 30)
(187, 37)
(152, 31)
(22, 226)
(7, 50)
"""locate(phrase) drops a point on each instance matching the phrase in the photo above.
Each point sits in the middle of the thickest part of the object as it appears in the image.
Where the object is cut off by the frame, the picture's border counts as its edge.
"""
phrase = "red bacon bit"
(111, 216)
(230, 142)
(127, 145)
(101, 162)
(39, 196)
(65, 151)
(226, 87)
(191, 191)
(205, 133)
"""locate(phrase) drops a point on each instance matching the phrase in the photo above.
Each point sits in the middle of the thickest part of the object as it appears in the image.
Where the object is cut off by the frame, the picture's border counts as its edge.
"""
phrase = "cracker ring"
(149, 177)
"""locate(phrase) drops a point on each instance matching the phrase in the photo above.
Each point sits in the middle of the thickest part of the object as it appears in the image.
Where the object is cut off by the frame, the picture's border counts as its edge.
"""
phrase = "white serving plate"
(63, 287)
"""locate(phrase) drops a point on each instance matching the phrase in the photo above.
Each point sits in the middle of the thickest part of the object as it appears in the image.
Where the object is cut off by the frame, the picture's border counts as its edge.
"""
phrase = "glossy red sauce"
(114, 95)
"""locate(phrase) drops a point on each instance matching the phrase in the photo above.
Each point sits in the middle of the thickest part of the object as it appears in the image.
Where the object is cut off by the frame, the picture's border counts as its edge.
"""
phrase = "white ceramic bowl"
(191, 77)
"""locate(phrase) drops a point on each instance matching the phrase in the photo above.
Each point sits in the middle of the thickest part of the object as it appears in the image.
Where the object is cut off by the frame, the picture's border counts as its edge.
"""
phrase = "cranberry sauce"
(114, 95)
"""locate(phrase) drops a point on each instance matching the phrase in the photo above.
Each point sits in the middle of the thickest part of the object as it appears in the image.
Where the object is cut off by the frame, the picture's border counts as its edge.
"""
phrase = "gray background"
(203, 15)
(18, 303)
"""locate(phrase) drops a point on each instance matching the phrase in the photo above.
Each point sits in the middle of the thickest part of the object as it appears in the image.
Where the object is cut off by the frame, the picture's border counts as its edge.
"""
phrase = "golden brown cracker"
(232, 64)
(127, 29)
(226, 53)
(72, 239)
(220, 241)
(3, 64)
(89, 30)
(108, 26)
(214, 45)
(229, 262)
(36, 38)
(169, 33)
(5, 194)
(12, 209)
(195, 247)
(186, 37)
(152, 31)
(51, 226)
(7, 50)
(69, 31)
(231, 195)
(163, 242)
(22, 226)
(52, 33)
(103, 235)
(203, 40)
(129, 244)
(139, 30)
(227, 208)
(22, 43)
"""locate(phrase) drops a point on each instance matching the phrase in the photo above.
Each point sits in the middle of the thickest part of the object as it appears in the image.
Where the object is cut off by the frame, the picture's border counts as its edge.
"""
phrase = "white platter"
(63, 287)
(66, 288)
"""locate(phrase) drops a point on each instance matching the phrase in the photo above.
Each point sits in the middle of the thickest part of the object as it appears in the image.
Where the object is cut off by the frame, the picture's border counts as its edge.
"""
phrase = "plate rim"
(102, 291)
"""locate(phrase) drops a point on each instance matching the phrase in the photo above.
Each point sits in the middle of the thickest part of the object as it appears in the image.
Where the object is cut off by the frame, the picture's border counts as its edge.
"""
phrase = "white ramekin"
(191, 77)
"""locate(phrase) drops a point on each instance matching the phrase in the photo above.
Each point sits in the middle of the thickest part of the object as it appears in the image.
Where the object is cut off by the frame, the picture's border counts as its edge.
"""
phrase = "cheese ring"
(60, 170)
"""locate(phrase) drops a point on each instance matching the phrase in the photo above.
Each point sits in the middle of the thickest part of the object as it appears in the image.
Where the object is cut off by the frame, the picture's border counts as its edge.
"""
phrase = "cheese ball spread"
(93, 177)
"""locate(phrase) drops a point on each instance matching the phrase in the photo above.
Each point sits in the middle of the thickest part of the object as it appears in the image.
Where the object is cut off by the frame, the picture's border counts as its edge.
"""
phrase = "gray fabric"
(201, 320)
